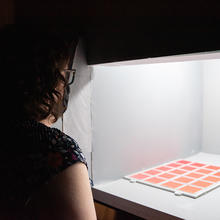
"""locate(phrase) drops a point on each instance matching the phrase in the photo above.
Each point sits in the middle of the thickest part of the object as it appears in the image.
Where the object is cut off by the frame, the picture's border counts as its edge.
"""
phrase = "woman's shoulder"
(43, 153)
(45, 149)
(65, 148)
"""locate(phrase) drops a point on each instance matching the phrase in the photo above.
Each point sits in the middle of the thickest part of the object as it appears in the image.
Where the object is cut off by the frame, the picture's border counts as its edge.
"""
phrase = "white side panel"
(144, 115)
(77, 118)
(211, 105)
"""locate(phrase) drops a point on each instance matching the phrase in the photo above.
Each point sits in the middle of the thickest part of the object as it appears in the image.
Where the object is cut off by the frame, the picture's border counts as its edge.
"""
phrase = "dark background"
(124, 30)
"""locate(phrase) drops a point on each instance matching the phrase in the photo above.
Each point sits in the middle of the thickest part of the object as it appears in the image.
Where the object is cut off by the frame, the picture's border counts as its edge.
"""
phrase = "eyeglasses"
(70, 75)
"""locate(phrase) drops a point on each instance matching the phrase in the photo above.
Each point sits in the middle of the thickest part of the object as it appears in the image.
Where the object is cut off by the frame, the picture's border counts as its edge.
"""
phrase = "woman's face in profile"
(61, 103)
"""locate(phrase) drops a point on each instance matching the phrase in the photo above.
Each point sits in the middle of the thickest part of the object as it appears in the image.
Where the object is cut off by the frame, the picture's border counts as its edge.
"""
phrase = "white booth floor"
(152, 203)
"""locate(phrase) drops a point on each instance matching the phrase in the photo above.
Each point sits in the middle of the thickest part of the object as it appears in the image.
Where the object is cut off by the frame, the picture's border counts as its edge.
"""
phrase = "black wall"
(151, 37)
(124, 30)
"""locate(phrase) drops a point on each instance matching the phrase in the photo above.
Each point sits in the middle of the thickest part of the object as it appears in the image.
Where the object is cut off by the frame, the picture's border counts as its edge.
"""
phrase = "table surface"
(149, 202)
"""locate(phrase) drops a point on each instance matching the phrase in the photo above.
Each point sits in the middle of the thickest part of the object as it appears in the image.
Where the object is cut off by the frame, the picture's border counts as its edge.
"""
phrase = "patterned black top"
(32, 156)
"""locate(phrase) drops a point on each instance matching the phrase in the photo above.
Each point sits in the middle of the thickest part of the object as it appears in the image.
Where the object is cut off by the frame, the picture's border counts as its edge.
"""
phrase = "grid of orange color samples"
(183, 177)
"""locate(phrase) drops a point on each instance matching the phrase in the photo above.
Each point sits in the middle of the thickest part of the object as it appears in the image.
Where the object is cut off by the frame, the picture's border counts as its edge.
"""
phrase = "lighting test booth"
(149, 129)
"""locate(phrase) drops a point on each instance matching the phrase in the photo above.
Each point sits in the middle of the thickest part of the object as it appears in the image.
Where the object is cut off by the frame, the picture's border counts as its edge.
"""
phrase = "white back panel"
(144, 115)
(211, 106)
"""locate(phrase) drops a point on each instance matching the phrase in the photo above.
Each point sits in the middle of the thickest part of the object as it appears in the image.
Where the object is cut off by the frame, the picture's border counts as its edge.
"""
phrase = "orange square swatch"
(154, 180)
(152, 172)
(164, 168)
(183, 161)
(204, 171)
(195, 175)
(188, 168)
(201, 183)
(174, 164)
(178, 171)
(171, 184)
(167, 175)
(190, 189)
(139, 176)
(217, 174)
(183, 179)
(212, 179)
(197, 164)
(213, 167)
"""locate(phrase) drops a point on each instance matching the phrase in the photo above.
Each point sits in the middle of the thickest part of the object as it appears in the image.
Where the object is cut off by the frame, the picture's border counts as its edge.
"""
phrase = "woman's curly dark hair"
(31, 62)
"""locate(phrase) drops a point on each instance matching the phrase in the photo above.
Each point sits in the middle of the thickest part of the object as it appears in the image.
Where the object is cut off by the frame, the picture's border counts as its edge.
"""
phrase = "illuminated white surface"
(145, 114)
(202, 208)
(211, 107)
(152, 112)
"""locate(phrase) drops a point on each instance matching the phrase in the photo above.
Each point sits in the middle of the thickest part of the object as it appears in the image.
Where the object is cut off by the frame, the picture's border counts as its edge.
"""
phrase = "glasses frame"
(68, 72)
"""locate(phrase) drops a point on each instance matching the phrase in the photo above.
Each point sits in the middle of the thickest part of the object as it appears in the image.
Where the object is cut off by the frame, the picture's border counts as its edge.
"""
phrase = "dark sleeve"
(64, 151)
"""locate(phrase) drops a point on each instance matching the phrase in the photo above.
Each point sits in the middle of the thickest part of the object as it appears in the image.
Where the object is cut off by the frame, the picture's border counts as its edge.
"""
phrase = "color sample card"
(182, 177)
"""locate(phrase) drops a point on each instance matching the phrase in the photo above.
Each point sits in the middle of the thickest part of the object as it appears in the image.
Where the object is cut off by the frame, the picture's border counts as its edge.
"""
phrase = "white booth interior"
(133, 115)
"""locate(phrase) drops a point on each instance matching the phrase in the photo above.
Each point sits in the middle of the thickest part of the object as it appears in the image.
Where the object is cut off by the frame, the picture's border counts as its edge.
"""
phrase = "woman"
(43, 171)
